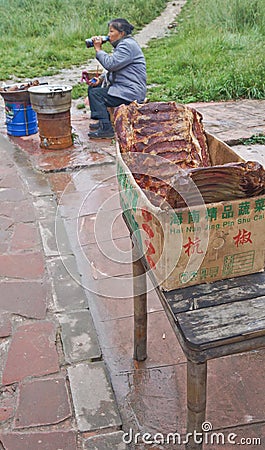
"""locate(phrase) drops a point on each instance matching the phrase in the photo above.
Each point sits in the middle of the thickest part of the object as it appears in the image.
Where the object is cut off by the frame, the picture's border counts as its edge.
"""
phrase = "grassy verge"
(254, 139)
(39, 38)
(216, 52)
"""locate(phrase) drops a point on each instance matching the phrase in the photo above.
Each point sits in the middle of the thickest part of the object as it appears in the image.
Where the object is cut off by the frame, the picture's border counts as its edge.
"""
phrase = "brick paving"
(51, 366)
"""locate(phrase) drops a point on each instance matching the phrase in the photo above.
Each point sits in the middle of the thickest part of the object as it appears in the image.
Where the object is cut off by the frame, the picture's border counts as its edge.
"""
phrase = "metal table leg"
(196, 402)
(140, 307)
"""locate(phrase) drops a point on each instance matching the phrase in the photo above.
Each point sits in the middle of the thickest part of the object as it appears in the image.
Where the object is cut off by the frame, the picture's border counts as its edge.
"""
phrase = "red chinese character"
(146, 215)
(148, 230)
(149, 252)
(151, 262)
(150, 248)
(242, 237)
(192, 246)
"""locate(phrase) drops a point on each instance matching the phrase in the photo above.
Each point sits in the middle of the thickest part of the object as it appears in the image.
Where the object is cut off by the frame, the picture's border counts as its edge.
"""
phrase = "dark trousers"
(100, 100)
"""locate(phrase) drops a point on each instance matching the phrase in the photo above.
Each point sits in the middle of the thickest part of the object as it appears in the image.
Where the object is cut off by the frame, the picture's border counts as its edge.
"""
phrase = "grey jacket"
(126, 70)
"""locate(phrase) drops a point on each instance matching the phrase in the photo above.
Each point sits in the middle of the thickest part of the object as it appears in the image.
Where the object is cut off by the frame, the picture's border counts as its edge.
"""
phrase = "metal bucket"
(55, 130)
(21, 120)
(50, 99)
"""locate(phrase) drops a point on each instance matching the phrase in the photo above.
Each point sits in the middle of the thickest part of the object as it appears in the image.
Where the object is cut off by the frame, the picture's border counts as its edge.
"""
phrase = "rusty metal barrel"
(55, 130)
(52, 105)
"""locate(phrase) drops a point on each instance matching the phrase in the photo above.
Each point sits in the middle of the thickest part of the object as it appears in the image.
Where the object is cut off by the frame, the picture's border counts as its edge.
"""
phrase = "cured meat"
(215, 184)
(157, 139)
(208, 184)
(162, 128)
(164, 145)
(19, 87)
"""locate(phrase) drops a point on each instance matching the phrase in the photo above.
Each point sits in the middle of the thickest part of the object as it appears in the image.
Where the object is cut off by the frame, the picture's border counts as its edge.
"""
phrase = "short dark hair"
(121, 25)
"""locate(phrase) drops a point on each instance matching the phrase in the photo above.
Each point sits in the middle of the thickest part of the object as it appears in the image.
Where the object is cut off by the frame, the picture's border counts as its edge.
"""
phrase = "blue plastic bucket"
(21, 120)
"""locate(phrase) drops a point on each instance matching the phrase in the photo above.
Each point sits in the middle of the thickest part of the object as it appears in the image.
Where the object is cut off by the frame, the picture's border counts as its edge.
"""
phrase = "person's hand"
(94, 82)
(97, 41)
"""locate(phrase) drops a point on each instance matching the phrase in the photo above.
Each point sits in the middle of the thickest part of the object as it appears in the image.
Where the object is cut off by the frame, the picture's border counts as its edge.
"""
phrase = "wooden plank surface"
(208, 327)
(219, 292)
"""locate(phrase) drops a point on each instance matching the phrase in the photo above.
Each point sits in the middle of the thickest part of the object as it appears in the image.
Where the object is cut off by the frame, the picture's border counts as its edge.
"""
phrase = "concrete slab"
(116, 339)
(154, 399)
(45, 207)
(111, 308)
(233, 120)
(109, 441)
(11, 195)
(83, 153)
(94, 402)
(91, 228)
(234, 397)
(109, 258)
(61, 182)
(54, 237)
(38, 185)
(68, 293)
(5, 325)
(79, 337)
(251, 152)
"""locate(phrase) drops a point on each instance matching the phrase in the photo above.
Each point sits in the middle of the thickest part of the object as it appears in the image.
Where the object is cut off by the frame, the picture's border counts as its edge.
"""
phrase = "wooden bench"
(210, 321)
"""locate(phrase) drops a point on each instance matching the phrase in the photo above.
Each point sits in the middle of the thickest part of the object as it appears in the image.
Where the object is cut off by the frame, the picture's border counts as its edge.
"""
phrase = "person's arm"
(121, 57)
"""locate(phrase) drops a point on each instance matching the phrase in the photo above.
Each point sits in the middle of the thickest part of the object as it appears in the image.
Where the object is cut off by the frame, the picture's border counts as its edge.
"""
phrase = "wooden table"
(209, 320)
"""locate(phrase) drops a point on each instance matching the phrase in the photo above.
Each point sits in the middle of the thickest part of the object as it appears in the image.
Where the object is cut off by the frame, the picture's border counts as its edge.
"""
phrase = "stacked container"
(52, 105)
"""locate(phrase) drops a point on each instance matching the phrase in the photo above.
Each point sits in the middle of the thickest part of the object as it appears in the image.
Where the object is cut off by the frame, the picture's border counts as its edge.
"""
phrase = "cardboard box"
(198, 244)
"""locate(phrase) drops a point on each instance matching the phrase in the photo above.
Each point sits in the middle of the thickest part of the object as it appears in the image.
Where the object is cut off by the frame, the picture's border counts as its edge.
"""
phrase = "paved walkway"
(54, 383)
(67, 376)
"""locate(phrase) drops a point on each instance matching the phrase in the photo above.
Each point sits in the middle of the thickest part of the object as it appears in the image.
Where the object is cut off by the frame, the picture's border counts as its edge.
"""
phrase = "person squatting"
(124, 80)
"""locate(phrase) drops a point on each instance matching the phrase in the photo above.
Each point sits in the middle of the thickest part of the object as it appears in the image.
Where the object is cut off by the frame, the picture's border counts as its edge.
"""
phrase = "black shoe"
(94, 126)
(104, 132)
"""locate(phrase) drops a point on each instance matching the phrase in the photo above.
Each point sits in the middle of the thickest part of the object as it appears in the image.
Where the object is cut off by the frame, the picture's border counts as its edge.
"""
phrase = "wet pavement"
(68, 380)
(67, 377)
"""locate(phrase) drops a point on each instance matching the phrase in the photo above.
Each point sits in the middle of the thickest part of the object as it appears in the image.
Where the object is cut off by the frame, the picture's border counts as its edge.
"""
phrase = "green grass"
(39, 38)
(254, 139)
(216, 52)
